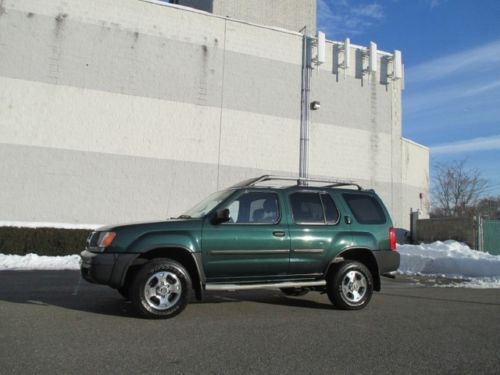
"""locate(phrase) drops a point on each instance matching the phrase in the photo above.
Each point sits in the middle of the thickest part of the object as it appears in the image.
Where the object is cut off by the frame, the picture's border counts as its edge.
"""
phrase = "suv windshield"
(202, 208)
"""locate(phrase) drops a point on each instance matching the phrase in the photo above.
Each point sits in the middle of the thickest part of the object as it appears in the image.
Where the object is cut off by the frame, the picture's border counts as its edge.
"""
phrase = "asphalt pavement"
(54, 322)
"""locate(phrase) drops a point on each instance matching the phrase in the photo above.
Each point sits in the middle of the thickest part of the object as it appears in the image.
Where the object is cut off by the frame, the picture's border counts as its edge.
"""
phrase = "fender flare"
(137, 259)
(360, 254)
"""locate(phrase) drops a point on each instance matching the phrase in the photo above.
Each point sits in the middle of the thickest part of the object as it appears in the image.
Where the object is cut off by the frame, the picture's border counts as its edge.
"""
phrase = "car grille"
(92, 239)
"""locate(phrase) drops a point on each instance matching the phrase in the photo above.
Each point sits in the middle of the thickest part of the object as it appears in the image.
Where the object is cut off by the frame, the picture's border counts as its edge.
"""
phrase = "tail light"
(392, 238)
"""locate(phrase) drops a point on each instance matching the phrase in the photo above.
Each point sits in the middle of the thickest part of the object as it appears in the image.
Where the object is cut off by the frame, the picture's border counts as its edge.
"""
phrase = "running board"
(295, 284)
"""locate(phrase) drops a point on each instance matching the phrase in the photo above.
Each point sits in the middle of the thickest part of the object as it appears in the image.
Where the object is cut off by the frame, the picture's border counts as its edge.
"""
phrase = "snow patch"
(39, 262)
(476, 283)
(451, 259)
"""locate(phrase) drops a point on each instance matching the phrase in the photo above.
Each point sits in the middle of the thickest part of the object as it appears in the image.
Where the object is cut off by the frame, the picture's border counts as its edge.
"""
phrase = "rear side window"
(365, 208)
(314, 208)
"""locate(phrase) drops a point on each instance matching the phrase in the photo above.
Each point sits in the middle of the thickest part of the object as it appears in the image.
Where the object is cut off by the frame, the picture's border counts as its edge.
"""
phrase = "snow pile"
(451, 259)
(37, 262)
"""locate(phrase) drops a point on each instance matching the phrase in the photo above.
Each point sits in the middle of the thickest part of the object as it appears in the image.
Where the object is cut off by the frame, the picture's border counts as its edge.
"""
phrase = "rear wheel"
(350, 286)
(161, 289)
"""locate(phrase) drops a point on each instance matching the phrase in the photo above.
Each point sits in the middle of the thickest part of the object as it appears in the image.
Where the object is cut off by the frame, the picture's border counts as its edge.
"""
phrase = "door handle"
(278, 233)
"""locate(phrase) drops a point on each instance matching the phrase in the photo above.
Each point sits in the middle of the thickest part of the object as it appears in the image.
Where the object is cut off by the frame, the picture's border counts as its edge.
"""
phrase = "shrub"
(42, 241)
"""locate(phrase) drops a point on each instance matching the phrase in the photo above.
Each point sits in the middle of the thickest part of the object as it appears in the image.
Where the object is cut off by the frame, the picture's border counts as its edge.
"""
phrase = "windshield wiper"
(184, 217)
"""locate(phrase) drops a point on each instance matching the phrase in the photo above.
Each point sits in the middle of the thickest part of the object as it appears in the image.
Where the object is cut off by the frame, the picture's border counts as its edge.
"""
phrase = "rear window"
(314, 208)
(365, 208)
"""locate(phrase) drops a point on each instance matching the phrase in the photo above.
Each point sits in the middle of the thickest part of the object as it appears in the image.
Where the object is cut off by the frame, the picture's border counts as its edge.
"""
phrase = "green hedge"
(42, 241)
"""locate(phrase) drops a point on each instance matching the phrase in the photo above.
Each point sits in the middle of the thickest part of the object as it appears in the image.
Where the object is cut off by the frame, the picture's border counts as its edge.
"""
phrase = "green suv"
(333, 237)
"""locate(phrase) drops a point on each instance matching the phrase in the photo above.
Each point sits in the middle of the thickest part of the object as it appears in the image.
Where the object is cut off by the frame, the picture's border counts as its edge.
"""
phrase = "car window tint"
(365, 209)
(307, 208)
(331, 212)
(254, 208)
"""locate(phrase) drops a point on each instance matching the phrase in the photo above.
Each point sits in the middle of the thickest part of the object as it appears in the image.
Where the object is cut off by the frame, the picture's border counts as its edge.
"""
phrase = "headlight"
(105, 239)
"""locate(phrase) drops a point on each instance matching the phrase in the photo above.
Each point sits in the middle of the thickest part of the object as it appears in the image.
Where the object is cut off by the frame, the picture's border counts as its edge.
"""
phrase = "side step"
(389, 275)
(287, 284)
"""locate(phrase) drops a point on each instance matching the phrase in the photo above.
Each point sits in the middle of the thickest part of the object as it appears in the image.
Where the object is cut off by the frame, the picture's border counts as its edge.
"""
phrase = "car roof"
(293, 188)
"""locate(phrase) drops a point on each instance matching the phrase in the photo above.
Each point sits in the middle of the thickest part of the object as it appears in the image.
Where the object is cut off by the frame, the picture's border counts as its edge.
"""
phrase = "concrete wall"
(415, 178)
(114, 111)
(288, 14)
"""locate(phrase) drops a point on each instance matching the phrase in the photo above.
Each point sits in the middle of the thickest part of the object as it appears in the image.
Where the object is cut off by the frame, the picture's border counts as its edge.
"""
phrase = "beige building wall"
(415, 178)
(115, 111)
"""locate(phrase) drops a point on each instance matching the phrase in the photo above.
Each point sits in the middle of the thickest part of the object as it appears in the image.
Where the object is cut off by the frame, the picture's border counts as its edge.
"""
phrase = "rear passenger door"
(371, 222)
(316, 230)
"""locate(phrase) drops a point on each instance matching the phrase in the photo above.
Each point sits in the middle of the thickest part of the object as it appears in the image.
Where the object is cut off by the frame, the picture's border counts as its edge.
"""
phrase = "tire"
(350, 286)
(294, 292)
(124, 291)
(161, 289)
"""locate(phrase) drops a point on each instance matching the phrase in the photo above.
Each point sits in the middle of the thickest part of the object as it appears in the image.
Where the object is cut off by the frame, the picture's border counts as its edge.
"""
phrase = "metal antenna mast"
(304, 111)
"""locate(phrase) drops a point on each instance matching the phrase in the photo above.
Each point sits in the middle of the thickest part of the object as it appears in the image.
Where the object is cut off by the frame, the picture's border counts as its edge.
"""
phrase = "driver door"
(254, 244)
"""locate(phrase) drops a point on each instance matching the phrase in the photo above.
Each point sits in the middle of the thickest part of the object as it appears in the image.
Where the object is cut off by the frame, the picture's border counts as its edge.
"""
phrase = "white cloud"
(348, 17)
(436, 97)
(482, 88)
(435, 3)
(371, 11)
(470, 145)
(472, 61)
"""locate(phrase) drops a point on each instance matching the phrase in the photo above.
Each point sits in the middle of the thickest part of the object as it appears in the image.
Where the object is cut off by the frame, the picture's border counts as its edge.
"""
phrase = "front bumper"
(387, 261)
(105, 268)
(97, 267)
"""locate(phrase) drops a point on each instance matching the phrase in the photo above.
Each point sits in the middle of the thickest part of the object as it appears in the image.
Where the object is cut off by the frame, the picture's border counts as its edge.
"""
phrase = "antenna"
(347, 53)
(321, 45)
(372, 64)
(397, 65)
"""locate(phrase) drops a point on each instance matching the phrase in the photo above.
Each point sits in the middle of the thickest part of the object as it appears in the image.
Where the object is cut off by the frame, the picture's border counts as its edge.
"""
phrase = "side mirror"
(221, 216)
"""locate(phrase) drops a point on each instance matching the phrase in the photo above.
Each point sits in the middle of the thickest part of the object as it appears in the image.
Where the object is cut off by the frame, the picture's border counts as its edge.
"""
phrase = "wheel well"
(365, 257)
(180, 255)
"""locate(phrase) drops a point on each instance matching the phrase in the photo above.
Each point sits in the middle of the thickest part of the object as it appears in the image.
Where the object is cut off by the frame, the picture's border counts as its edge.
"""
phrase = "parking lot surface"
(52, 321)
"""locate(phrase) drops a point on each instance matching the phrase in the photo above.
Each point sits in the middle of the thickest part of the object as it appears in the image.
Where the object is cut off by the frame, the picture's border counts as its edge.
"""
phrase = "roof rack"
(299, 180)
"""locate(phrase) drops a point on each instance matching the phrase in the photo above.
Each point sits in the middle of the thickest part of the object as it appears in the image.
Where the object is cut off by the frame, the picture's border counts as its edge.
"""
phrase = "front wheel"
(350, 286)
(124, 291)
(161, 289)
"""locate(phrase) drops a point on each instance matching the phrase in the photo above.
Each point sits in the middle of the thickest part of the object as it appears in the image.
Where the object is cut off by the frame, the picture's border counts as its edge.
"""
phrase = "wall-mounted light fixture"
(315, 105)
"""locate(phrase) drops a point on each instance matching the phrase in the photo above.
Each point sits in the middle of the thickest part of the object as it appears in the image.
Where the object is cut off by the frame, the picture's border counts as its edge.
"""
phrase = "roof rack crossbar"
(299, 181)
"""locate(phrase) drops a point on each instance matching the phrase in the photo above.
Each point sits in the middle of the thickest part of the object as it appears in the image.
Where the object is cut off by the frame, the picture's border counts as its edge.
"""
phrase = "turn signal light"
(106, 239)
(392, 238)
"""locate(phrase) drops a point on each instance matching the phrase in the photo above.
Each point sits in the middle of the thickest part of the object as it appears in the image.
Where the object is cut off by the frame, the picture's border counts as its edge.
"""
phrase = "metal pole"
(304, 112)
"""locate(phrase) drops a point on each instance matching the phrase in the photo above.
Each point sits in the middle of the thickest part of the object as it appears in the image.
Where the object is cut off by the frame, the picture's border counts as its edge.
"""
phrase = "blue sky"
(451, 53)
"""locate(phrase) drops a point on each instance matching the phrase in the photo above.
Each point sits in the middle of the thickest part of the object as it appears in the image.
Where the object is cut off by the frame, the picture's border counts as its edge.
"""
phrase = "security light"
(315, 105)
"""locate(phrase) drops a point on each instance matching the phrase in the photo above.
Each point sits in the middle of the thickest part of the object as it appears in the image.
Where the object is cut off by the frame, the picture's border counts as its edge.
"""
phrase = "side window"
(365, 209)
(254, 208)
(314, 208)
(331, 212)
